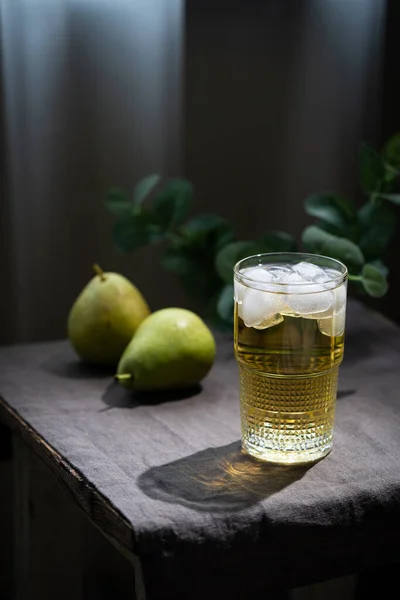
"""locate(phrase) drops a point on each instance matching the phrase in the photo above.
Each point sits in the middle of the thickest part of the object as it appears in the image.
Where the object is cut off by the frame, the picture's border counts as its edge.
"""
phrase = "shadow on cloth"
(345, 393)
(116, 396)
(74, 368)
(217, 480)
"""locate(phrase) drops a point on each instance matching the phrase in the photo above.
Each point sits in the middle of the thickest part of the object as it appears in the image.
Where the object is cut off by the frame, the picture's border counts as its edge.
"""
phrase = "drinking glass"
(289, 323)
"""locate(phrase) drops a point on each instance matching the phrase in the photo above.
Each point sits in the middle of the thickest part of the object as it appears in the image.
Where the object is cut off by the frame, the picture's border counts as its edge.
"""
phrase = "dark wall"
(237, 103)
(90, 97)
(278, 97)
(390, 125)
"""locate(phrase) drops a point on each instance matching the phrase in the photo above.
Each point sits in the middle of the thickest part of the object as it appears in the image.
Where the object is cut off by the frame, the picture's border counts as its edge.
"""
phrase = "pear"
(104, 318)
(173, 348)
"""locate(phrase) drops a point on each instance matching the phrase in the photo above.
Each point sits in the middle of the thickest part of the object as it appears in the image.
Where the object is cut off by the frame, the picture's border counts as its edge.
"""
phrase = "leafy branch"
(203, 250)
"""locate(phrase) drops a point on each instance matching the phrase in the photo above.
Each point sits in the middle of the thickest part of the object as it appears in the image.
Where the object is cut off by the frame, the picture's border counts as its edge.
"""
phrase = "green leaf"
(175, 260)
(201, 285)
(278, 241)
(371, 169)
(377, 226)
(117, 202)
(205, 222)
(331, 228)
(222, 237)
(192, 256)
(321, 242)
(374, 281)
(225, 304)
(228, 256)
(390, 177)
(332, 209)
(133, 231)
(144, 187)
(391, 151)
(213, 227)
(171, 206)
(380, 266)
(395, 198)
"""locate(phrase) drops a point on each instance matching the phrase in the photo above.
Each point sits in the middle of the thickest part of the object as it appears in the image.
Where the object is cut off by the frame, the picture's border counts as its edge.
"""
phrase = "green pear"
(173, 348)
(104, 318)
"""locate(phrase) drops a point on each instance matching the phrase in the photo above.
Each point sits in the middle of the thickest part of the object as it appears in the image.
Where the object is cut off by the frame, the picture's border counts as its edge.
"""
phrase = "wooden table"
(164, 481)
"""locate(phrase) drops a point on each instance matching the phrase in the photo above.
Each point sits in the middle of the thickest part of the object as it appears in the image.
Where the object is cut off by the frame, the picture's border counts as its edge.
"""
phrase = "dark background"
(267, 103)
(265, 153)
(390, 122)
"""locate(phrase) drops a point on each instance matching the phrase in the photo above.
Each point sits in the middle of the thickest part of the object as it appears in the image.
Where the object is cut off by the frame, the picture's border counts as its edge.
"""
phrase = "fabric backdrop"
(259, 103)
(92, 99)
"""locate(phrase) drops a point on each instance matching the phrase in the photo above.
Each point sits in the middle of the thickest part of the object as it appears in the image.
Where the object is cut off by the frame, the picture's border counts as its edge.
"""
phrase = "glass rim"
(339, 280)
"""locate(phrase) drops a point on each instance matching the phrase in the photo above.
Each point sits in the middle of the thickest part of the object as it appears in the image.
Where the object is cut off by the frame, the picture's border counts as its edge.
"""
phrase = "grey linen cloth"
(208, 521)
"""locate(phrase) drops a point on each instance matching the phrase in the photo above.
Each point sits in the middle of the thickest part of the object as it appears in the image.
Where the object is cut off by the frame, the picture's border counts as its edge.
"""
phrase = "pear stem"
(99, 271)
(123, 376)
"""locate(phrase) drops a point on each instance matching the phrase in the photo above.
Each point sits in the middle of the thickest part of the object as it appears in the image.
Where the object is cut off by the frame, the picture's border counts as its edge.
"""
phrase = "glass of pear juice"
(289, 322)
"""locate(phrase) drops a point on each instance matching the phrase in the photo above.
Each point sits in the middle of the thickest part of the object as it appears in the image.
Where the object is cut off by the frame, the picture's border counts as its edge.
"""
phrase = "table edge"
(86, 497)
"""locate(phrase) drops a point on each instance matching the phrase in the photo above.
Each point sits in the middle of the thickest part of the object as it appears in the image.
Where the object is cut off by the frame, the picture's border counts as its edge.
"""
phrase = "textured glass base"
(287, 420)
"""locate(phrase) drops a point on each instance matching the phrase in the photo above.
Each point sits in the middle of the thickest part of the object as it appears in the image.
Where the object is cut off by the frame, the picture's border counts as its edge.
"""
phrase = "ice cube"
(339, 304)
(279, 271)
(259, 307)
(310, 272)
(239, 290)
(322, 277)
(334, 325)
(292, 277)
(270, 322)
(260, 277)
(309, 299)
(258, 273)
(332, 273)
(331, 277)
(340, 294)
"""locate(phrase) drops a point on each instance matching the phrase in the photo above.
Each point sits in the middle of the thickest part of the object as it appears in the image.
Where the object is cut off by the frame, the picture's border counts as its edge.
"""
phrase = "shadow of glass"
(217, 480)
(116, 396)
(345, 393)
